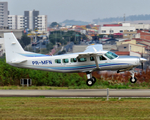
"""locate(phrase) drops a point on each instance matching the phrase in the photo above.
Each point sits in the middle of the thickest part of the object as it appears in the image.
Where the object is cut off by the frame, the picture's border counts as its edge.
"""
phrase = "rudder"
(12, 47)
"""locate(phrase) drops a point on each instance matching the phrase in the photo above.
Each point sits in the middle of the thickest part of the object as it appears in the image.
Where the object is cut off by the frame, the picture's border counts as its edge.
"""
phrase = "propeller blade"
(142, 65)
(142, 60)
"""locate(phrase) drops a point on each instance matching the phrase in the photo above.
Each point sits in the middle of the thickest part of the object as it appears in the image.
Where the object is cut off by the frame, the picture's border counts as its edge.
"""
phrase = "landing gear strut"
(91, 80)
(133, 79)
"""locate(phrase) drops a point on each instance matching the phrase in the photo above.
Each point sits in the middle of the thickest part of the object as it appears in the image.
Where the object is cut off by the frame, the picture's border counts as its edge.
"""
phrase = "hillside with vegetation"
(121, 19)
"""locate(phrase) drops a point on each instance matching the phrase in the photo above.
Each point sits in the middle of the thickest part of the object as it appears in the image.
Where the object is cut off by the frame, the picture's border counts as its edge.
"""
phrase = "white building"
(141, 26)
(20, 22)
(3, 14)
(116, 28)
(16, 22)
(12, 21)
(42, 22)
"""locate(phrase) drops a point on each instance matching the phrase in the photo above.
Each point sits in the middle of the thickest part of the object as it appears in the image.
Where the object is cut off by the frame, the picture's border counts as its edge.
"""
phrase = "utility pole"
(124, 18)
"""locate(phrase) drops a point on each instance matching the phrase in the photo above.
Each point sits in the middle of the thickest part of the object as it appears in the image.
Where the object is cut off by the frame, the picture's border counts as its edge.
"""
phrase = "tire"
(94, 79)
(133, 80)
(90, 82)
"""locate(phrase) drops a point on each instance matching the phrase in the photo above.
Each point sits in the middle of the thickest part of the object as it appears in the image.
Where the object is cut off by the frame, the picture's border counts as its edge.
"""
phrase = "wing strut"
(96, 62)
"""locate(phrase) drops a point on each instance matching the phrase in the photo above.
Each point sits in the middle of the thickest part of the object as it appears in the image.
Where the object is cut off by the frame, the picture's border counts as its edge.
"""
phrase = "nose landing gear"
(91, 80)
(133, 79)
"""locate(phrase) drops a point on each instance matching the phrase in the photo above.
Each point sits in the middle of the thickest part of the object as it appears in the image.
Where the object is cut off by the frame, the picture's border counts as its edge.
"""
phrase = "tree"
(26, 40)
(54, 24)
(88, 26)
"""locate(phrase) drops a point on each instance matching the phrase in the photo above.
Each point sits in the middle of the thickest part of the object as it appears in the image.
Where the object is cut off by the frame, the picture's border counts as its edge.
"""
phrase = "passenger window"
(102, 58)
(73, 59)
(82, 59)
(58, 61)
(92, 58)
(65, 60)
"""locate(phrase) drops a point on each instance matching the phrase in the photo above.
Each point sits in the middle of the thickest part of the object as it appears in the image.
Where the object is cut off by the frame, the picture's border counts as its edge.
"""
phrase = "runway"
(76, 93)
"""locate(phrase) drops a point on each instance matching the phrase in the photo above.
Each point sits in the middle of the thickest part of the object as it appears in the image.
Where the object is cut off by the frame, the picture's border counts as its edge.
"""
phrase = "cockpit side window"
(91, 58)
(111, 55)
(102, 58)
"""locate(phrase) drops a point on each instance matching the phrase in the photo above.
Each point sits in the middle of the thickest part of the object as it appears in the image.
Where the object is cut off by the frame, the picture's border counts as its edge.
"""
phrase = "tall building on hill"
(3, 14)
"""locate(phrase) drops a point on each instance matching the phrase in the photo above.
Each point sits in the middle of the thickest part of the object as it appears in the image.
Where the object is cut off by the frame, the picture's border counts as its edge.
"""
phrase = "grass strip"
(71, 108)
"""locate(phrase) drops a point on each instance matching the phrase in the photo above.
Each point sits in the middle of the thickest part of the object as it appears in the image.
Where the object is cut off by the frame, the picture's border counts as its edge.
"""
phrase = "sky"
(84, 10)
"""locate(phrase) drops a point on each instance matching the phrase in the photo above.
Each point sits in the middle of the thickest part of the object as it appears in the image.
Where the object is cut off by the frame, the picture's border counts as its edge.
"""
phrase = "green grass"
(69, 108)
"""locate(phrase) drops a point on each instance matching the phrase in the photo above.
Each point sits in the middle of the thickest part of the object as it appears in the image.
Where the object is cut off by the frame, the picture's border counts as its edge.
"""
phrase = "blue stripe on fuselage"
(81, 67)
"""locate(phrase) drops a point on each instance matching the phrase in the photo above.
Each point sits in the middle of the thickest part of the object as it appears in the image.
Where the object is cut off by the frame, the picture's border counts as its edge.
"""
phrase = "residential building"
(132, 47)
(141, 26)
(12, 21)
(129, 34)
(42, 22)
(32, 20)
(20, 22)
(144, 34)
(115, 28)
(3, 14)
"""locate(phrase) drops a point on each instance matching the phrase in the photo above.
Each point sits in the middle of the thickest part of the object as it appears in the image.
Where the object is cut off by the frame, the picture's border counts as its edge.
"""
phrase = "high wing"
(94, 48)
(92, 51)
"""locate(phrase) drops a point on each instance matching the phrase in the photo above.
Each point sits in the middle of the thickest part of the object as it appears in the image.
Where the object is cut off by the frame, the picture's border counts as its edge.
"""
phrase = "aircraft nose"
(143, 60)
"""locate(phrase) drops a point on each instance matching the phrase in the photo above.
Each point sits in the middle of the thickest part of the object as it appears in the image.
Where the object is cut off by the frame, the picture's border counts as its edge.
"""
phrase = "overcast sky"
(84, 10)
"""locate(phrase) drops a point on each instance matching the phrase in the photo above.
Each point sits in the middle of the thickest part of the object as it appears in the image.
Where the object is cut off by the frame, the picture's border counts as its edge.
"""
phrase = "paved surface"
(75, 93)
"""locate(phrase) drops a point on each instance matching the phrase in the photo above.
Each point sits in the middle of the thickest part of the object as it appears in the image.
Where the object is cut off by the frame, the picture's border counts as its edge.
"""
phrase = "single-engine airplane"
(94, 58)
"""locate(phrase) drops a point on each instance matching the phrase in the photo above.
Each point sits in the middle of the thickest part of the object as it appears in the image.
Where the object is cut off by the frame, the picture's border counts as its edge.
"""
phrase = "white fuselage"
(48, 63)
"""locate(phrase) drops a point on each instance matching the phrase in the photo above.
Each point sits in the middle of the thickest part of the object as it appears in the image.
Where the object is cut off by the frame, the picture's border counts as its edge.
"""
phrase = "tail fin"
(12, 48)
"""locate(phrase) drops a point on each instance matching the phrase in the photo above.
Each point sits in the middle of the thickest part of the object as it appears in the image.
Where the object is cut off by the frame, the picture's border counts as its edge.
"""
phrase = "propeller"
(142, 60)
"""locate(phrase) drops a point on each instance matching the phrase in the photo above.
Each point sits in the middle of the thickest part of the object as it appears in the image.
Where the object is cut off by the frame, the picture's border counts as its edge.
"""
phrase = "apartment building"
(31, 20)
(3, 14)
(42, 22)
(20, 22)
(12, 21)
(16, 22)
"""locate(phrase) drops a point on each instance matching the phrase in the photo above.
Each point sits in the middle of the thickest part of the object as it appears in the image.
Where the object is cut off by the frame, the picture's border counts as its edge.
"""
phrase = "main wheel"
(90, 82)
(133, 80)
(94, 79)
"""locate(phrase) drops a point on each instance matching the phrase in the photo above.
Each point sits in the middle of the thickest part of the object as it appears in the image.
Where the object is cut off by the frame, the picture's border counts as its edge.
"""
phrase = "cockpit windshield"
(111, 55)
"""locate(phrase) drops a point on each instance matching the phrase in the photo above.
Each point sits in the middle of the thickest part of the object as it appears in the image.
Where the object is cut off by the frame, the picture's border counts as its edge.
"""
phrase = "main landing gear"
(91, 80)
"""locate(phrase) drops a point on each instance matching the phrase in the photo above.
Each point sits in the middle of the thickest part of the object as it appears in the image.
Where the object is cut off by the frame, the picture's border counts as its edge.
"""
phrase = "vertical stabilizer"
(12, 48)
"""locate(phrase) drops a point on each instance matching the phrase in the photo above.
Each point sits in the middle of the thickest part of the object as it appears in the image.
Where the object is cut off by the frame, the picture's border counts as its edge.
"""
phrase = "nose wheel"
(91, 80)
(133, 79)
